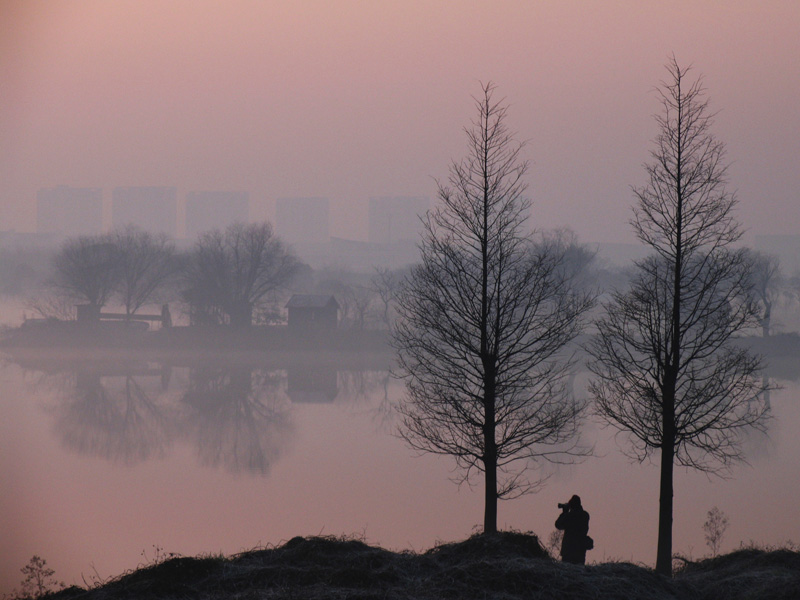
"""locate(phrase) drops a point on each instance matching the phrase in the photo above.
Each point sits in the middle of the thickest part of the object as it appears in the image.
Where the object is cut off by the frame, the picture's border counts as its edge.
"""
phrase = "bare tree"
(385, 282)
(715, 526)
(38, 579)
(764, 289)
(360, 298)
(576, 259)
(52, 304)
(665, 369)
(231, 272)
(146, 262)
(86, 269)
(483, 324)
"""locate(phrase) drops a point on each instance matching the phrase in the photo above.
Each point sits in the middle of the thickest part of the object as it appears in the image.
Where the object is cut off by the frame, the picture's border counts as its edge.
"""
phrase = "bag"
(589, 543)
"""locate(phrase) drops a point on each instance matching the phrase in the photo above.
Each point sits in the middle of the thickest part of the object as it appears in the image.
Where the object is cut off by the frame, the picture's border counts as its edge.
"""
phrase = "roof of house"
(312, 301)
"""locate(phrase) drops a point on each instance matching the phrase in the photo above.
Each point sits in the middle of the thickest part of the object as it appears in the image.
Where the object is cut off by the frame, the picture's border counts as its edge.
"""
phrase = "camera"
(563, 506)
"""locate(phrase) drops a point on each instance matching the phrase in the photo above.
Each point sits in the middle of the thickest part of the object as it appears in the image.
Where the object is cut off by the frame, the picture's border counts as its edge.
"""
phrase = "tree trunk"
(490, 453)
(765, 320)
(490, 500)
(664, 553)
(242, 315)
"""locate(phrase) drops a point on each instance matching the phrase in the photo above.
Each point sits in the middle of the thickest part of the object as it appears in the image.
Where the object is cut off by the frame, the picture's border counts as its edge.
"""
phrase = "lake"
(108, 464)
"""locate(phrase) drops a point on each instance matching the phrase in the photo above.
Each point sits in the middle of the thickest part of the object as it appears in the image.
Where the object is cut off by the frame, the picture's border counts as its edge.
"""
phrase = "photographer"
(574, 522)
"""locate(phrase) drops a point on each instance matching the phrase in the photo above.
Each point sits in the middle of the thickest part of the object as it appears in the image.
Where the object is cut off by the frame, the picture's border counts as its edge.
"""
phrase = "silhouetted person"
(574, 522)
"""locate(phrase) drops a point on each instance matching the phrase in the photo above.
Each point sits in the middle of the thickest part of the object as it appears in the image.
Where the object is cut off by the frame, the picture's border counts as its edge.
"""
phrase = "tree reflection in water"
(363, 387)
(238, 417)
(119, 423)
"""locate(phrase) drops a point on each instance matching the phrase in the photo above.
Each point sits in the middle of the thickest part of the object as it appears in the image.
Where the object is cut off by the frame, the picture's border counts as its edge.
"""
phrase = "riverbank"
(507, 565)
(45, 346)
(116, 334)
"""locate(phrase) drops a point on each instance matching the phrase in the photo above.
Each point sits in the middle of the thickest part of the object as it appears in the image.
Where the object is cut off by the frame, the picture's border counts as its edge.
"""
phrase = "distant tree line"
(228, 277)
(235, 276)
(367, 300)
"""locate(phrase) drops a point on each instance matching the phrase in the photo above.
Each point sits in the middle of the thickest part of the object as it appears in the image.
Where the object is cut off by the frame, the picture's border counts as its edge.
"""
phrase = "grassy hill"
(505, 566)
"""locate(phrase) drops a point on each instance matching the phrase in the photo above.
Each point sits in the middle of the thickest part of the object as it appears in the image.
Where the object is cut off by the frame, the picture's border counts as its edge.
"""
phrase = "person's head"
(574, 502)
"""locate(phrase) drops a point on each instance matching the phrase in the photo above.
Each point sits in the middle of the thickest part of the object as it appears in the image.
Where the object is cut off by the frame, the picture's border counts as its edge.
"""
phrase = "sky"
(349, 99)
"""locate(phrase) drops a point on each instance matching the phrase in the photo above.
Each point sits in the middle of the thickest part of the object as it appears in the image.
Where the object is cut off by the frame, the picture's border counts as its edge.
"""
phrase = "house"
(312, 312)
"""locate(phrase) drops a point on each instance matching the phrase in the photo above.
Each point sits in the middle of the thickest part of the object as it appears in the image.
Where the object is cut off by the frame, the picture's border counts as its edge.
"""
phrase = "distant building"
(396, 219)
(69, 211)
(302, 220)
(310, 312)
(207, 210)
(152, 208)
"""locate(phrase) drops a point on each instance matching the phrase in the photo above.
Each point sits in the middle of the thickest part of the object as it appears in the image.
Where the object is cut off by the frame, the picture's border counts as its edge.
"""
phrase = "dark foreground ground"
(507, 565)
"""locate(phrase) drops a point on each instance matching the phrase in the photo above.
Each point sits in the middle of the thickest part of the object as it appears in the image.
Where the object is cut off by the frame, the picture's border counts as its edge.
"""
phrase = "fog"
(351, 100)
(214, 439)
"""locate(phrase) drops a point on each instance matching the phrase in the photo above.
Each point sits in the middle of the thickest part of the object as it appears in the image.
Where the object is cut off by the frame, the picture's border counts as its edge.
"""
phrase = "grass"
(746, 573)
(503, 566)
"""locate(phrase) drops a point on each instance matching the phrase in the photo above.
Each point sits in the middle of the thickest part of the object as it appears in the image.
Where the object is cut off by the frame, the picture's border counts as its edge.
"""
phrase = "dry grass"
(505, 566)
(749, 573)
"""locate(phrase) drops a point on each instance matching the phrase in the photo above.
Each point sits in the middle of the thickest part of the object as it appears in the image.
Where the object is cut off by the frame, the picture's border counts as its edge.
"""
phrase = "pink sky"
(350, 99)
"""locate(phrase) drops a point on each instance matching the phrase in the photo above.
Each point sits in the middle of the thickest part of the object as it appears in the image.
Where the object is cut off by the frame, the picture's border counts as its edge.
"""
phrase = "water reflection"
(316, 383)
(122, 423)
(237, 434)
(237, 417)
(370, 388)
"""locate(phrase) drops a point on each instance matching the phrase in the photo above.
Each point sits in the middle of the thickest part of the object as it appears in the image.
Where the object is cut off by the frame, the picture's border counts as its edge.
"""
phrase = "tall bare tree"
(86, 269)
(483, 324)
(146, 263)
(231, 272)
(665, 369)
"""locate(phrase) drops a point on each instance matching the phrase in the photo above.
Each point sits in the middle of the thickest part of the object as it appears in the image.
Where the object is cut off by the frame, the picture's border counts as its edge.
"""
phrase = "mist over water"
(107, 463)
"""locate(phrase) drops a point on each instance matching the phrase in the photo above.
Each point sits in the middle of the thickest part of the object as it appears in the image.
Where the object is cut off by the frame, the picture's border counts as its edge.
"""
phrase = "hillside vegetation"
(504, 566)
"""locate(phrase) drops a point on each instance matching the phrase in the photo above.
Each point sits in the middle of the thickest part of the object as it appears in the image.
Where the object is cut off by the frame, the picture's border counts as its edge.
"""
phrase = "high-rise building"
(152, 208)
(207, 210)
(69, 210)
(302, 220)
(395, 219)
